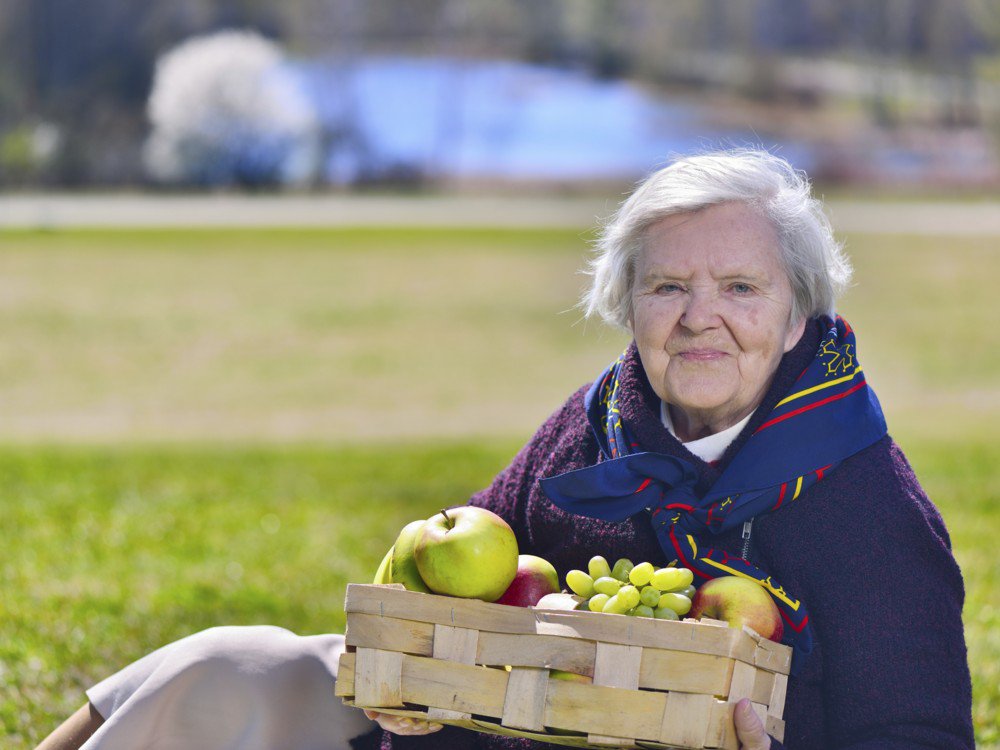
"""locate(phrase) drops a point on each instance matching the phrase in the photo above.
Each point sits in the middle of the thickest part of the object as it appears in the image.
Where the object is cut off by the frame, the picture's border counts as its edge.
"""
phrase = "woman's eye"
(740, 288)
(668, 288)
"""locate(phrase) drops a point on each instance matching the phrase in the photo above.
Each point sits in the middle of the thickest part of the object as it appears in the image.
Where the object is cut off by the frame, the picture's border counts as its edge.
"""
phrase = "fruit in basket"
(597, 601)
(665, 613)
(642, 611)
(640, 574)
(621, 569)
(607, 585)
(739, 601)
(384, 572)
(598, 567)
(634, 589)
(615, 606)
(534, 579)
(403, 568)
(677, 602)
(630, 595)
(561, 674)
(468, 552)
(560, 601)
(671, 579)
(650, 596)
(580, 583)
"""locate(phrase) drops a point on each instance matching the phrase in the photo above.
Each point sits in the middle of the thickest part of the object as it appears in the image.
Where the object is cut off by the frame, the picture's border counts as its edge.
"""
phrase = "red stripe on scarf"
(791, 624)
(781, 496)
(643, 486)
(824, 402)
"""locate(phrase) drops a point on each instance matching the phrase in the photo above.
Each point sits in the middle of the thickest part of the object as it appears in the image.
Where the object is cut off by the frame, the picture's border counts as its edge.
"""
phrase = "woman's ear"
(794, 334)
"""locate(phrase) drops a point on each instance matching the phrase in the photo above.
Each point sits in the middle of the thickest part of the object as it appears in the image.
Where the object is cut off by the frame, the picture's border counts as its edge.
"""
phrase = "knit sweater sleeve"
(873, 559)
(508, 494)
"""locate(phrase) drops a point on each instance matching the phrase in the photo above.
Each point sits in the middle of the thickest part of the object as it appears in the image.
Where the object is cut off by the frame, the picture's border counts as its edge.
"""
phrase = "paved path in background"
(60, 211)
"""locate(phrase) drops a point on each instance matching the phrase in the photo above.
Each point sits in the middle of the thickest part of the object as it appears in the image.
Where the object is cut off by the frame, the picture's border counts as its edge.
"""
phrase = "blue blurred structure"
(413, 119)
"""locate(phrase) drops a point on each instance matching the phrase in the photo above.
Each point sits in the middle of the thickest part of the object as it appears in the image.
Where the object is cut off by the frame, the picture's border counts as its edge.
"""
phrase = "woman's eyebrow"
(757, 278)
(655, 275)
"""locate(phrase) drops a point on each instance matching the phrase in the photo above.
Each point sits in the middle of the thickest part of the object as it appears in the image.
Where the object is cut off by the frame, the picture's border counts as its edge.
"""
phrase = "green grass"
(158, 388)
(109, 553)
(325, 334)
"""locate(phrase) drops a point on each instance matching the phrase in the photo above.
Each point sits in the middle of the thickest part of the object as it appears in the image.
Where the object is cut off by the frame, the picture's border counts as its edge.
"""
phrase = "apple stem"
(447, 518)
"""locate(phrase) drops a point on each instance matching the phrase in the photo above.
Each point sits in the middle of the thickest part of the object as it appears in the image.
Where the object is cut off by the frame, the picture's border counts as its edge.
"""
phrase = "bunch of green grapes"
(627, 589)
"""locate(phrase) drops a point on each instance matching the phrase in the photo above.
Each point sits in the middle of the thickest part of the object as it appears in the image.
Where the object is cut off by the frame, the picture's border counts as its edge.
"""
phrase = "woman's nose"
(701, 311)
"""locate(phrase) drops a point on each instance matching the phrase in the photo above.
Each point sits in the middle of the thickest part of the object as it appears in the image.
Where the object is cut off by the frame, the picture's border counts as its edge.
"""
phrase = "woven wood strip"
(454, 645)
(685, 720)
(629, 631)
(378, 678)
(524, 703)
(616, 666)
(373, 631)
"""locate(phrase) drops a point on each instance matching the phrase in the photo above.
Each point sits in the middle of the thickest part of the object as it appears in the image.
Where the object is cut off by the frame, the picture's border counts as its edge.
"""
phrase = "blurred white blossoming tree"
(226, 109)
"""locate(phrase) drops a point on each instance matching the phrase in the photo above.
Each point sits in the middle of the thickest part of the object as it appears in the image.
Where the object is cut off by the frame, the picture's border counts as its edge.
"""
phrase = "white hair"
(817, 267)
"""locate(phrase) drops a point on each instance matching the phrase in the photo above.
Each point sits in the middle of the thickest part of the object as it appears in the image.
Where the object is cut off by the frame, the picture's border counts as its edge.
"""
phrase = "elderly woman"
(737, 434)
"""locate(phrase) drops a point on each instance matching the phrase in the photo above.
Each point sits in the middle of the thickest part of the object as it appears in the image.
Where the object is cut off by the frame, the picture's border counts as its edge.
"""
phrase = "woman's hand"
(749, 729)
(402, 724)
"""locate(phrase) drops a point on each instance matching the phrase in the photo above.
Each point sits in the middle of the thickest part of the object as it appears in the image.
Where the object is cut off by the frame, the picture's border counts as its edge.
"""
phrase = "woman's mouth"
(702, 355)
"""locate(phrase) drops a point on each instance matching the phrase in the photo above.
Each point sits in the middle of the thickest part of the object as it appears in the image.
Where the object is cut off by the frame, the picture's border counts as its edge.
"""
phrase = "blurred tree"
(225, 111)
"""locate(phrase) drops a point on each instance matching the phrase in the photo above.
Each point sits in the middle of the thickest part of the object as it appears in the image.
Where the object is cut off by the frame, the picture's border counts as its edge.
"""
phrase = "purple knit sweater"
(864, 548)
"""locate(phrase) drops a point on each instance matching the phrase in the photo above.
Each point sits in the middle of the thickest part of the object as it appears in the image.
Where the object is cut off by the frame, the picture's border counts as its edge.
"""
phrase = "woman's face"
(710, 314)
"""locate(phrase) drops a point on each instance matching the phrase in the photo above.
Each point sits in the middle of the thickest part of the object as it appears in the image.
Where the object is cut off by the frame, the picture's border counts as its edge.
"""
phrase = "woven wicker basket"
(486, 667)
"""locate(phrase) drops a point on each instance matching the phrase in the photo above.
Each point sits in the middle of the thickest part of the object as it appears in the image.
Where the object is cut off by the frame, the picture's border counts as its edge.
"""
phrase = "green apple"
(384, 572)
(404, 566)
(738, 601)
(468, 552)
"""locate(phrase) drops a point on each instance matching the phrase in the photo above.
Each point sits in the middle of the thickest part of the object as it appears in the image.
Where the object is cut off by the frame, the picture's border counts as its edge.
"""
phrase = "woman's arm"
(885, 594)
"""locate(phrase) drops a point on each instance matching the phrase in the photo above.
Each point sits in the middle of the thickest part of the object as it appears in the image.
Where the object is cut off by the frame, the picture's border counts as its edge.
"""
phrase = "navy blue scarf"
(829, 415)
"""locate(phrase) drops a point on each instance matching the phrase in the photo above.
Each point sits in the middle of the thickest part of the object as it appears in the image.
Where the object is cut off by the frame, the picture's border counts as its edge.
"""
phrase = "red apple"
(468, 552)
(534, 579)
(738, 601)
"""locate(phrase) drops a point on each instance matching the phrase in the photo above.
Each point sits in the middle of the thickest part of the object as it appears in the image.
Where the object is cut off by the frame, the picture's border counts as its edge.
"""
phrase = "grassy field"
(225, 427)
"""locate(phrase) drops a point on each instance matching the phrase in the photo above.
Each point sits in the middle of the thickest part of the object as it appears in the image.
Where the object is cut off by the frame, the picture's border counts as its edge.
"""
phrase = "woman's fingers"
(749, 729)
(402, 724)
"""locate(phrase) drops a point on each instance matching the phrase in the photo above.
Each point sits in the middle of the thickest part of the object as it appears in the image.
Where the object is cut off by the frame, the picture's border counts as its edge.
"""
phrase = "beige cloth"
(229, 688)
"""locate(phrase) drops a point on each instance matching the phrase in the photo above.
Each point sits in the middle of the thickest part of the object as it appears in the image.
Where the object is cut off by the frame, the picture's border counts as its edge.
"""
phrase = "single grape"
(621, 570)
(641, 573)
(665, 613)
(649, 596)
(597, 602)
(643, 611)
(607, 585)
(598, 567)
(671, 579)
(615, 606)
(630, 595)
(688, 591)
(677, 602)
(580, 583)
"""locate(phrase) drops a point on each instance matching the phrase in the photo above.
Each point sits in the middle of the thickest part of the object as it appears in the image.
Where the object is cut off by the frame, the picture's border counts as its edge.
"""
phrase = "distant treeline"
(75, 76)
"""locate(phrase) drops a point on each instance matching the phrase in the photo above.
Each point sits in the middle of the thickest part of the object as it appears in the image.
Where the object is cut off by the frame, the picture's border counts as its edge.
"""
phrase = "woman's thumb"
(749, 728)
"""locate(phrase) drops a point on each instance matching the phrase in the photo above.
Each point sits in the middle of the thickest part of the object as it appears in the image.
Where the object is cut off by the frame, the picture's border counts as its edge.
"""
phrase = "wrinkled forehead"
(727, 238)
